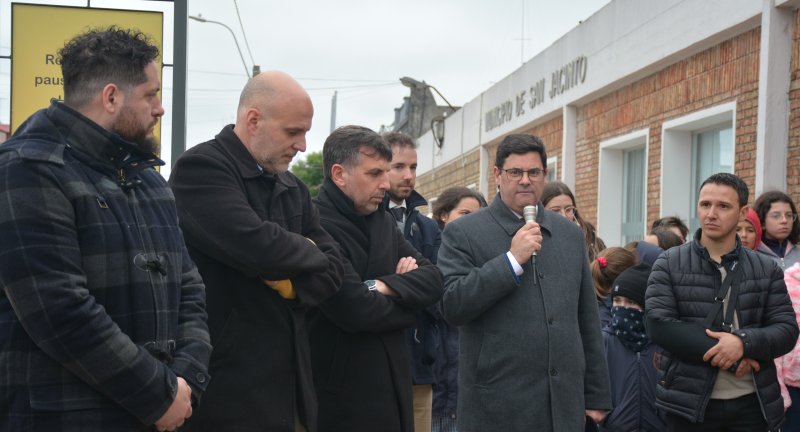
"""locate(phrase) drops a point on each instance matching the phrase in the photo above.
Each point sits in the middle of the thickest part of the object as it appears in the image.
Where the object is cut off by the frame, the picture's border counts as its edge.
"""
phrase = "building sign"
(561, 80)
(39, 31)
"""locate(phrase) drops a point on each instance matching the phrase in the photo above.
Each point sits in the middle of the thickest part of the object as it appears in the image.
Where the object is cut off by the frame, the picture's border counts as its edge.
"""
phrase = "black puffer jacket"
(682, 287)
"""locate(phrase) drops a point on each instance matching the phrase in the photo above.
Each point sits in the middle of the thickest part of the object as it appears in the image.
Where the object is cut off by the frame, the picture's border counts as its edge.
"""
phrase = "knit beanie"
(632, 283)
(752, 217)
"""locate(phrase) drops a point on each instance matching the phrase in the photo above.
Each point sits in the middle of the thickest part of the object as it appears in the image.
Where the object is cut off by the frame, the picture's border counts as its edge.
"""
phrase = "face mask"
(628, 326)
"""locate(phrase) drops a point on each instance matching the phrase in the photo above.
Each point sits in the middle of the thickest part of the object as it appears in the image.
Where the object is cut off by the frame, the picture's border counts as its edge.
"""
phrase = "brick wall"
(462, 171)
(793, 155)
(723, 73)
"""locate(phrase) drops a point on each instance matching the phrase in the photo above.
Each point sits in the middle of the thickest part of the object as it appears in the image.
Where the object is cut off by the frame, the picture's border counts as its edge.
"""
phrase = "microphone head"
(529, 213)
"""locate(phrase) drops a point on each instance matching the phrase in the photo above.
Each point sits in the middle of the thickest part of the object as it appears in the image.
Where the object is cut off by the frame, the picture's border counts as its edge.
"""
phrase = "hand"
(384, 289)
(406, 264)
(596, 415)
(283, 287)
(726, 352)
(527, 240)
(746, 366)
(179, 411)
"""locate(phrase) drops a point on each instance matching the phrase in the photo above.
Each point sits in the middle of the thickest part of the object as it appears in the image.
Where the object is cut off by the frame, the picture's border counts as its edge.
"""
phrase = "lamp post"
(411, 82)
(436, 123)
(203, 20)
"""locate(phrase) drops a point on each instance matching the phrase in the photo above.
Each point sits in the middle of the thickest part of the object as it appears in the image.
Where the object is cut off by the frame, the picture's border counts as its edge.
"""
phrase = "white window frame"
(676, 155)
(611, 167)
(552, 161)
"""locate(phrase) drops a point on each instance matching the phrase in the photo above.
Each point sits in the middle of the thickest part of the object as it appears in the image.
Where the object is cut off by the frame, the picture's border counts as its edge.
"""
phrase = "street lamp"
(437, 123)
(203, 20)
(411, 83)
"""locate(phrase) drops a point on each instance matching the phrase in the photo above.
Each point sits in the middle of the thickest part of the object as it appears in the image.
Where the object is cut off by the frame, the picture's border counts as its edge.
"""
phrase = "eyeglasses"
(516, 173)
(779, 216)
(566, 211)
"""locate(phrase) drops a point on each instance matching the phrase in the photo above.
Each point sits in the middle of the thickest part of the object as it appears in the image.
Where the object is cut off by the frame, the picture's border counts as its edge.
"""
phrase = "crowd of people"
(231, 299)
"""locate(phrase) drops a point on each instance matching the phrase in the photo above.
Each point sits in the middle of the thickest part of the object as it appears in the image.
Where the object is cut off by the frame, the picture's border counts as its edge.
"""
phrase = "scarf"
(628, 325)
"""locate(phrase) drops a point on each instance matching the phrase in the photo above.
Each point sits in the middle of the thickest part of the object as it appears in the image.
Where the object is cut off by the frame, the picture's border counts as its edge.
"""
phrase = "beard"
(399, 195)
(130, 130)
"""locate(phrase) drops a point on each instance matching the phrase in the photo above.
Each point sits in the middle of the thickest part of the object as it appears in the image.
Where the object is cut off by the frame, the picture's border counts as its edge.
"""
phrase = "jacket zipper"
(758, 396)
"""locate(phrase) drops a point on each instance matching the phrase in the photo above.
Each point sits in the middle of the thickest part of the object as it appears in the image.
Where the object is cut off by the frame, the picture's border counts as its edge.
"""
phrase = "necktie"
(399, 213)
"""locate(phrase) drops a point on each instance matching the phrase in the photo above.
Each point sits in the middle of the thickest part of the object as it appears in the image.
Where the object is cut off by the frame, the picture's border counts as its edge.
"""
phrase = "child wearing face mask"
(630, 356)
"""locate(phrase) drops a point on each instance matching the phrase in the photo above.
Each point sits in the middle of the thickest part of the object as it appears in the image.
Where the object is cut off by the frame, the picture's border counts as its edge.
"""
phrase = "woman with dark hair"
(780, 233)
(781, 229)
(452, 204)
(455, 202)
(559, 198)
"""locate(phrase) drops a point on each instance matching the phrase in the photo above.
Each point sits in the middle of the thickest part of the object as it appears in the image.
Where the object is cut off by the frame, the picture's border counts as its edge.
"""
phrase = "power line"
(218, 90)
(345, 80)
(353, 86)
(299, 78)
(244, 34)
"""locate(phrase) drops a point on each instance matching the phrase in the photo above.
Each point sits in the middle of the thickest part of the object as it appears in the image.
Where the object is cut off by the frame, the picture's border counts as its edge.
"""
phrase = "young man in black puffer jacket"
(721, 380)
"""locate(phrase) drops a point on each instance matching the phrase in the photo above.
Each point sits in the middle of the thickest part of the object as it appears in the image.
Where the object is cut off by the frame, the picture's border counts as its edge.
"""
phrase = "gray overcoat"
(531, 356)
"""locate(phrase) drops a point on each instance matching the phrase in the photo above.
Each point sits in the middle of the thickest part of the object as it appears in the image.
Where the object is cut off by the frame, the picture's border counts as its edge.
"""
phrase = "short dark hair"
(399, 139)
(343, 147)
(669, 222)
(666, 238)
(764, 203)
(98, 57)
(449, 199)
(520, 144)
(728, 179)
(554, 189)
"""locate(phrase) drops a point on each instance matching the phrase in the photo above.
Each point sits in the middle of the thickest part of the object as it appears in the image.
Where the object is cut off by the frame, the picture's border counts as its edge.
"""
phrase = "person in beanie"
(630, 355)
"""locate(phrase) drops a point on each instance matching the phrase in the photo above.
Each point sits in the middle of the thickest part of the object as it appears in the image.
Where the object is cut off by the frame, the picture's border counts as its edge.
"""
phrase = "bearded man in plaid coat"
(102, 312)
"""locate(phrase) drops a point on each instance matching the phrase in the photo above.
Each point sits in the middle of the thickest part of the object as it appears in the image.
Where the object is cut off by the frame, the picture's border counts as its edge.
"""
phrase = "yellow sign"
(39, 31)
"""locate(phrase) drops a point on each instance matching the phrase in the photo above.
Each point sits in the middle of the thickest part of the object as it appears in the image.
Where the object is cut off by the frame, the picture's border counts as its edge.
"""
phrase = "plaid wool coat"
(101, 307)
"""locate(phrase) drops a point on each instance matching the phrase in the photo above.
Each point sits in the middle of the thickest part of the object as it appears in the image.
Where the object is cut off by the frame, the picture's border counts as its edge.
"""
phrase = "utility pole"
(179, 71)
(333, 111)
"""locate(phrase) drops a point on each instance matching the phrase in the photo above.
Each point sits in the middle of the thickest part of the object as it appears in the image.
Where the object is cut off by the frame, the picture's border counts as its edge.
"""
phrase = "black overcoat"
(362, 364)
(243, 225)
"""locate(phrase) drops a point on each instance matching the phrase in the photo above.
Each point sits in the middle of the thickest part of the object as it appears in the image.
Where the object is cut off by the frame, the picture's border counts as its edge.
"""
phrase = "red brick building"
(640, 103)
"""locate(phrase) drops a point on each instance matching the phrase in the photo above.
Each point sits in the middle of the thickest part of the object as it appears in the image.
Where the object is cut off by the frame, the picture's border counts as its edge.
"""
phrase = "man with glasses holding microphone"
(531, 350)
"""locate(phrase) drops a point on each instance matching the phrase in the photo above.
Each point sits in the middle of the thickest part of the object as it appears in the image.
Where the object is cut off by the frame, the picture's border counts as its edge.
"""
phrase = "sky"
(358, 48)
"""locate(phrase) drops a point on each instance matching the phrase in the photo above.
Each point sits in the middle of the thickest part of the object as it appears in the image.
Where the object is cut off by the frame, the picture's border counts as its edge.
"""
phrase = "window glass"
(633, 205)
(712, 152)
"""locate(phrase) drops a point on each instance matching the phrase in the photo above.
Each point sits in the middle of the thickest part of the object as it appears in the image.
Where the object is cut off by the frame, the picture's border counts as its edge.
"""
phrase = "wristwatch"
(371, 284)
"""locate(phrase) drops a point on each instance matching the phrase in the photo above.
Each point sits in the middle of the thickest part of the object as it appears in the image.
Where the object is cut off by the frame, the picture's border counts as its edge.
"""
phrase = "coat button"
(551, 320)
(553, 372)
(201, 378)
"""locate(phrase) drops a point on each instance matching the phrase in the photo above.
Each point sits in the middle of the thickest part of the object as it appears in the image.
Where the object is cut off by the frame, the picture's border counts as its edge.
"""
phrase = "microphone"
(529, 214)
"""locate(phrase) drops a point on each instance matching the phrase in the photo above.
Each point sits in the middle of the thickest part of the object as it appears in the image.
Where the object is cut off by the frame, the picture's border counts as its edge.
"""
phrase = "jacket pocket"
(73, 396)
(667, 371)
(229, 339)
